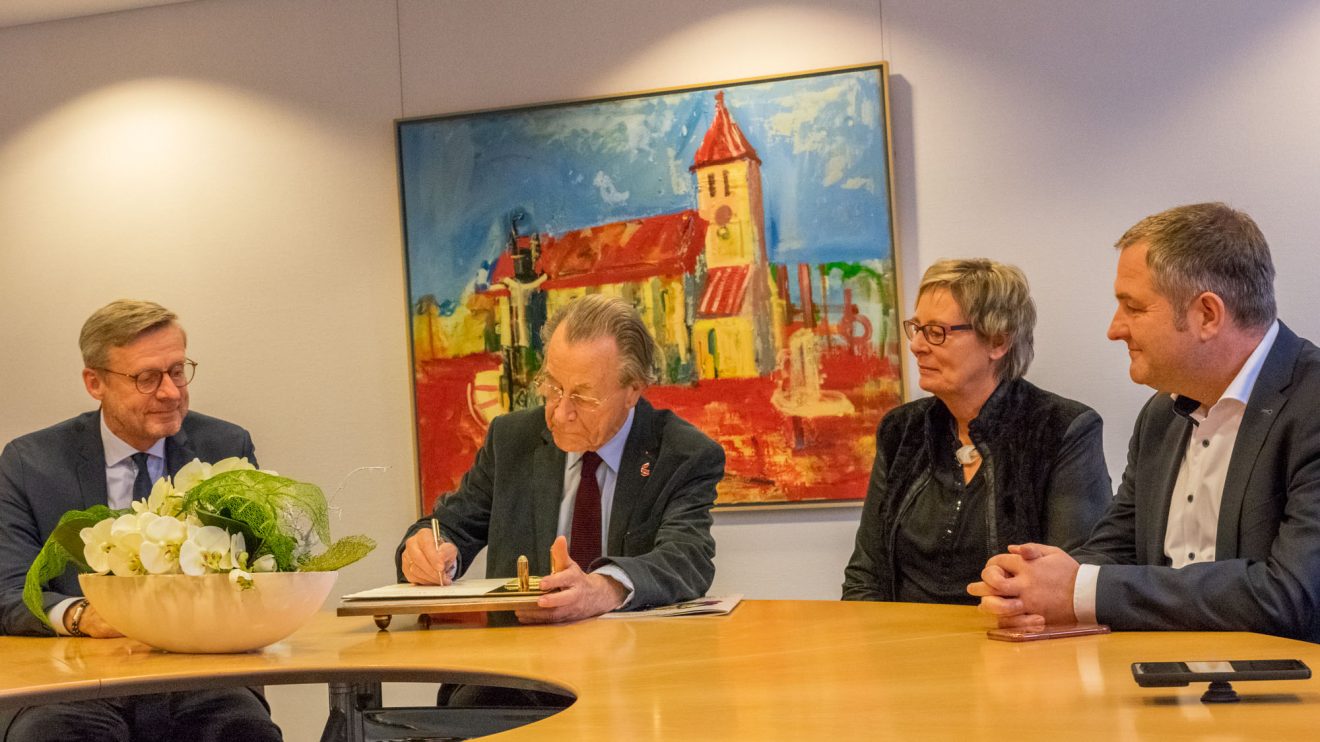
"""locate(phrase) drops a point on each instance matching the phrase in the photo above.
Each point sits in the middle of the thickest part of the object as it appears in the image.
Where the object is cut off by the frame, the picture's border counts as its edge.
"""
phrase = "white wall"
(234, 160)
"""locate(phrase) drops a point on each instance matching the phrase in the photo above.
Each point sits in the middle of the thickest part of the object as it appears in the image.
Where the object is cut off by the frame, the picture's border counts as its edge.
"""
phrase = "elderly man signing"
(618, 491)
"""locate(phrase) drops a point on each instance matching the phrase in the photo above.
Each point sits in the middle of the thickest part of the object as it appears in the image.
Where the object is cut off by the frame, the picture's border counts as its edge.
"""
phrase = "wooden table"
(772, 670)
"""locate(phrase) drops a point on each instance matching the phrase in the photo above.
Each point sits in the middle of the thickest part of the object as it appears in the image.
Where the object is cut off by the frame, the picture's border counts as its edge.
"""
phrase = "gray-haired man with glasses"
(135, 365)
(616, 490)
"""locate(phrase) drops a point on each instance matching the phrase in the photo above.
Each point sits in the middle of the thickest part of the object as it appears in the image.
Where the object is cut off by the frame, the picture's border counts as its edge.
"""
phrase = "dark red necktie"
(584, 541)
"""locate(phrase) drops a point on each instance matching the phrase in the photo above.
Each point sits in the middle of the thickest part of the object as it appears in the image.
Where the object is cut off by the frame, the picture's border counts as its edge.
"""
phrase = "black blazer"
(1266, 573)
(659, 530)
(61, 468)
(1044, 480)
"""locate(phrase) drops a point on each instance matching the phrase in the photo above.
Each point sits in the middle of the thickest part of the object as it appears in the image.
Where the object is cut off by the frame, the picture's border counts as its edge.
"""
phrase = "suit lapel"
(178, 451)
(1175, 441)
(634, 468)
(91, 472)
(547, 483)
(1263, 408)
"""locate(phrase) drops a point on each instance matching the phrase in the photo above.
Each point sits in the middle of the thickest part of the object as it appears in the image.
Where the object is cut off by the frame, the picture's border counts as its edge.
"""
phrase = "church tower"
(735, 331)
(728, 173)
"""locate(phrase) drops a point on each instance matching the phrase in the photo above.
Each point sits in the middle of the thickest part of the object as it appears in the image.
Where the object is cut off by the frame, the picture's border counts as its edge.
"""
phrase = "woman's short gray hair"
(997, 301)
(1208, 247)
(117, 324)
(597, 315)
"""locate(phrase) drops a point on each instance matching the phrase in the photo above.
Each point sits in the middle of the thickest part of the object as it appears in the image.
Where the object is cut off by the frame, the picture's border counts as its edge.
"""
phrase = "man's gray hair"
(117, 324)
(597, 315)
(997, 301)
(1208, 247)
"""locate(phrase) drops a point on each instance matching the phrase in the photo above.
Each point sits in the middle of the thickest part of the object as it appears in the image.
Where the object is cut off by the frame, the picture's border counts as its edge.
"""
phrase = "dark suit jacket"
(659, 530)
(1266, 573)
(47, 473)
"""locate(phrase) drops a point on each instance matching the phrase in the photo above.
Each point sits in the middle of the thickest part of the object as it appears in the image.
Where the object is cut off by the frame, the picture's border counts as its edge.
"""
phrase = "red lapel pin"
(646, 469)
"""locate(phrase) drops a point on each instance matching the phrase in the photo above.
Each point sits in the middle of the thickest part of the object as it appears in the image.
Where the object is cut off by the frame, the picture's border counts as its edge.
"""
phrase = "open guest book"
(463, 596)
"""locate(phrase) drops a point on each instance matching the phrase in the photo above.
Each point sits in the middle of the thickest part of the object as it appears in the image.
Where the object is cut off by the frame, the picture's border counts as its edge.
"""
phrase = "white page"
(709, 606)
(405, 591)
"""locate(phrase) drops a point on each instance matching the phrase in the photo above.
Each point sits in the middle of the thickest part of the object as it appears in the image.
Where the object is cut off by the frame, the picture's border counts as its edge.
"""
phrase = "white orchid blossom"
(197, 471)
(124, 525)
(265, 563)
(126, 555)
(238, 555)
(242, 578)
(163, 537)
(163, 500)
(234, 463)
(193, 473)
(97, 545)
(205, 550)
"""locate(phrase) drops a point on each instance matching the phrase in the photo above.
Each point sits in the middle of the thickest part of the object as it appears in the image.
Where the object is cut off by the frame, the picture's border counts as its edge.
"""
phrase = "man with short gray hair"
(607, 496)
(1216, 525)
(136, 366)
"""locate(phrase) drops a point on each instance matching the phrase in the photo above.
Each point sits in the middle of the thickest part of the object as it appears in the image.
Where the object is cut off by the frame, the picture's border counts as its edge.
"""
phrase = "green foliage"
(65, 545)
(341, 553)
(281, 515)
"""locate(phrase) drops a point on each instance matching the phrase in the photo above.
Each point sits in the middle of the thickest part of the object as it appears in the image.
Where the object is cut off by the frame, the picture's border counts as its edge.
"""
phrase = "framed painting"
(750, 223)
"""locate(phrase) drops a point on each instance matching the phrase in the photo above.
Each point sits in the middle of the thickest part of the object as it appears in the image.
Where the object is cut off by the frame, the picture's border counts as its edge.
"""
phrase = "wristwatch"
(75, 622)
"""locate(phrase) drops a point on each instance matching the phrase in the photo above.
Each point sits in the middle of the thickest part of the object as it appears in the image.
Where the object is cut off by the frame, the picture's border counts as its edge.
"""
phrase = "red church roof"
(725, 288)
(724, 141)
(633, 250)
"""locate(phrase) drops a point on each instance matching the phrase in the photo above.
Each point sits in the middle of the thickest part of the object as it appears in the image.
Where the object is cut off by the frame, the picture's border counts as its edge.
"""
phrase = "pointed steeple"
(724, 141)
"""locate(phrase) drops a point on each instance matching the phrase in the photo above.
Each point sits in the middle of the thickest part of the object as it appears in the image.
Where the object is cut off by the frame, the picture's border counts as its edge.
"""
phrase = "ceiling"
(19, 12)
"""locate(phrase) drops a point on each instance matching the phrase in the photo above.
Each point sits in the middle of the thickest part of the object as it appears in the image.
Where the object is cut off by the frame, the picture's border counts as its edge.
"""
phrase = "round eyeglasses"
(934, 332)
(147, 382)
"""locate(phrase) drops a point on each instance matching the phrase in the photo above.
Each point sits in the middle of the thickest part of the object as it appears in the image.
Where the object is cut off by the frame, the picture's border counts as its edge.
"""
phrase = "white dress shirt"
(1198, 491)
(120, 472)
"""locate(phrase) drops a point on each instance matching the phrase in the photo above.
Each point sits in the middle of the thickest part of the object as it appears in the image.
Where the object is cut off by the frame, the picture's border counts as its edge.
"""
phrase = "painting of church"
(749, 223)
(700, 277)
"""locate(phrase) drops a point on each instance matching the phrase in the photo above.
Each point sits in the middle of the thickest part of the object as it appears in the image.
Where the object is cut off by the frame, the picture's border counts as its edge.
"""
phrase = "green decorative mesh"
(64, 545)
(287, 519)
(341, 553)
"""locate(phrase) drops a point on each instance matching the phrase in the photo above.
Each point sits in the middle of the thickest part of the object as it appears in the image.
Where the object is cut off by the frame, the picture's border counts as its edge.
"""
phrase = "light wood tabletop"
(816, 670)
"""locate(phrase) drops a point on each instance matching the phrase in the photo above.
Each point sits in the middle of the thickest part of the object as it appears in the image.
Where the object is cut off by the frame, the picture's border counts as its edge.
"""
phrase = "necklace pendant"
(967, 455)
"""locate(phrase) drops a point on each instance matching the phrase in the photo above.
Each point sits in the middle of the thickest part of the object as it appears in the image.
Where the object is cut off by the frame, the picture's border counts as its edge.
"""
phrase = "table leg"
(347, 700)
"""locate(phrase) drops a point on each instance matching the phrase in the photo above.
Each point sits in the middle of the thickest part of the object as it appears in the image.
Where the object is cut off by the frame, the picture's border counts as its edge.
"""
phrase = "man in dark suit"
(1216, 525)
(136, 366)
(607, 497)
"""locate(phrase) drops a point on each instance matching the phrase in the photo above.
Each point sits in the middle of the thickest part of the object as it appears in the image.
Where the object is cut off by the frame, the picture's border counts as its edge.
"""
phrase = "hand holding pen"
(428, 558)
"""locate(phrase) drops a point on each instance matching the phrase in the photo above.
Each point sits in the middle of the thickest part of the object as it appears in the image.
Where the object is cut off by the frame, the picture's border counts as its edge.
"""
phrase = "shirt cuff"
(1088, 575)
(618, 575)
(56, 615)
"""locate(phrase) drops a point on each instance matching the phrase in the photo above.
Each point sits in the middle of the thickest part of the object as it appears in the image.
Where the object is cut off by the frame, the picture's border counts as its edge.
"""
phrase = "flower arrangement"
(226, 517)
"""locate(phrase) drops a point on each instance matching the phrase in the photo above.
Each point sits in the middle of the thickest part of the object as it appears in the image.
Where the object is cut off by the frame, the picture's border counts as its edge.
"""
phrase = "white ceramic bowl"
(207, 613)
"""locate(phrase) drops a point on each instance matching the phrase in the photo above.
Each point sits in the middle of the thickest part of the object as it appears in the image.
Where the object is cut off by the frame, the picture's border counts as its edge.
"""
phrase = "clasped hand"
(1029, 587)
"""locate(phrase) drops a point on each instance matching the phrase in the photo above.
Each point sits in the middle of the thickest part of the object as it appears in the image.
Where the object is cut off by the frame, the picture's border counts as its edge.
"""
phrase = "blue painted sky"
(821, 141)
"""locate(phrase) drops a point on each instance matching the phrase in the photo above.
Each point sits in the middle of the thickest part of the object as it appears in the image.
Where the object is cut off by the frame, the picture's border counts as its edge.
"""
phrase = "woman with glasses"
(987, 461)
